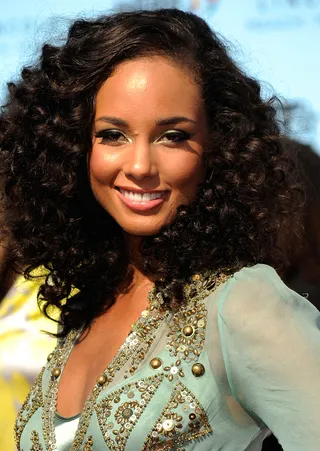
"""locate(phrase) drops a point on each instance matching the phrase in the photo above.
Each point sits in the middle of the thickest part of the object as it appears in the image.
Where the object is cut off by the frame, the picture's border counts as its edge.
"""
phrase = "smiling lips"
(141, 200)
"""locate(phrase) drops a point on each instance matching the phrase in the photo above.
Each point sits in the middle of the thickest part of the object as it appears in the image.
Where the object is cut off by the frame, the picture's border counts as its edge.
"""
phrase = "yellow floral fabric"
(24, 347)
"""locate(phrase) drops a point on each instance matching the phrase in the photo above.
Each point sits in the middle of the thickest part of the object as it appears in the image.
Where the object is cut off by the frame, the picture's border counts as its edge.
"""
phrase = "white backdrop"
(277, 41)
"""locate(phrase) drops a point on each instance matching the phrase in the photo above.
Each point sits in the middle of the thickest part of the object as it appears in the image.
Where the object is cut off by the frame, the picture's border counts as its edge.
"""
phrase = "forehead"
(153, 85)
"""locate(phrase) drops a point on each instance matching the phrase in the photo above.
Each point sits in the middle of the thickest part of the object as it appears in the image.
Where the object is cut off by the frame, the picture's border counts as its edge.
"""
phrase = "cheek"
(188, 172)
(102, 164)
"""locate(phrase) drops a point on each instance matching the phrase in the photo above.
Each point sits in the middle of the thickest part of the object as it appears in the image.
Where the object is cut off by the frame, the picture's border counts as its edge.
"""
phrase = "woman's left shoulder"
(258, 294)
(255, 283)
(260, 274)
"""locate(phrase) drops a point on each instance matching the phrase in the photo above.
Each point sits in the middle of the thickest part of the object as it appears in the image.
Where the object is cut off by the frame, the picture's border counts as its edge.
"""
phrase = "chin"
(141, 230)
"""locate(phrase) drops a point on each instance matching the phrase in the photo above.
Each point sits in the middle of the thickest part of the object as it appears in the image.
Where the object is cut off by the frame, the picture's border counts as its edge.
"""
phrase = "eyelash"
(111, 136)
(180, 134)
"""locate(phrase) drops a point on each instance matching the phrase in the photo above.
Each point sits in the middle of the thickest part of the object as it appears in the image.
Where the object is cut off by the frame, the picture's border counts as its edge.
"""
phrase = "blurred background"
(277, 41)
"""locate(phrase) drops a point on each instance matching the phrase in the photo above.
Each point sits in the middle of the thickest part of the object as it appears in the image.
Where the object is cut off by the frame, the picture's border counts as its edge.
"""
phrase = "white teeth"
(144, 197)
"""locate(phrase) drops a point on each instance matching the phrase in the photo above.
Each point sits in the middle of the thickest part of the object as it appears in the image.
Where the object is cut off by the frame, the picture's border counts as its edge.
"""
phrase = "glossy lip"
(141, 206)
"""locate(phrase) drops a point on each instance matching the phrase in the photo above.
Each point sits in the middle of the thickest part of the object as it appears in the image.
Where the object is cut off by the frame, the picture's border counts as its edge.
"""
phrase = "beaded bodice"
(115, 409)
(208, 377)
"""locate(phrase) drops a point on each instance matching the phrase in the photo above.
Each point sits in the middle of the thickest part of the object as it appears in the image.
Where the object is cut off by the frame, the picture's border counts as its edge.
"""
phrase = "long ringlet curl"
(249, 196)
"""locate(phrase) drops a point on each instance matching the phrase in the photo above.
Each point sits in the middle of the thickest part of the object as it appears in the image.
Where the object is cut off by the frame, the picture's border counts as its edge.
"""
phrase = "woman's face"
(148, 138)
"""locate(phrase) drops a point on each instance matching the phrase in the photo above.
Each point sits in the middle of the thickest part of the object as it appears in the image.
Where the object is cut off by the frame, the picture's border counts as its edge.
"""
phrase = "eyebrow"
(168, 121)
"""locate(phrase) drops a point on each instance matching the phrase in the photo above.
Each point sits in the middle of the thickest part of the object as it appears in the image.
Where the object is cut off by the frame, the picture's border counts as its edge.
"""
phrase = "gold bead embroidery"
(57, 361)
(32, 403)
(88, 446)
(183, 419)
(185, 340)
(186, 335)
(36, 446)
(135, 347)
(174, 371)
(130, 402)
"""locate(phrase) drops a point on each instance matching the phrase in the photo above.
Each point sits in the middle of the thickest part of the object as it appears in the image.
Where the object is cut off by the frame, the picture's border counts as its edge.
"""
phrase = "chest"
(88, 359)
(157, 393)
(156, 375)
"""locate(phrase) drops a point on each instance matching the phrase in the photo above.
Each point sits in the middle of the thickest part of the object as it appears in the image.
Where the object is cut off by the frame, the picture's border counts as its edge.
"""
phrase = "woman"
(155, 186)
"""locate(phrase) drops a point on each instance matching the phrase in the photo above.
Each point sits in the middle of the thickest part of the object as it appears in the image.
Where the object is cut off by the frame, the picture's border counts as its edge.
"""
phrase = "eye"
(175, 136)
(112, 137)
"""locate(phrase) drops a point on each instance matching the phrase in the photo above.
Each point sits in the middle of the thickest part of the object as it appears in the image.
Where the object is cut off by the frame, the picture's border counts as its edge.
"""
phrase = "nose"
(141, 163)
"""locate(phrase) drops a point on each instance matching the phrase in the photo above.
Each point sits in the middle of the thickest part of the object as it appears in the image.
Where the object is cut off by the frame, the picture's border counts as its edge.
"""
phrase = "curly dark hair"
(249, 195)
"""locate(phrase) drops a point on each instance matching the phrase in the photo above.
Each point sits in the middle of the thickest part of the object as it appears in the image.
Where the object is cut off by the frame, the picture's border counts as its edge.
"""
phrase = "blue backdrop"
(277, 41)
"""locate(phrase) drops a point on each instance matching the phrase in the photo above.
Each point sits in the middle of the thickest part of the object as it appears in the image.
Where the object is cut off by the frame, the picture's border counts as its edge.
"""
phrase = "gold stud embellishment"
(102, 379)
(188, 331)
(198, 369)
(155, 363)
(50, 356)
(56, 372)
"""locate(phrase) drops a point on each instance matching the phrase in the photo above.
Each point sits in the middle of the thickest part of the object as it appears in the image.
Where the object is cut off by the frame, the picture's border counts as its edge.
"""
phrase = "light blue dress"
(235, 363)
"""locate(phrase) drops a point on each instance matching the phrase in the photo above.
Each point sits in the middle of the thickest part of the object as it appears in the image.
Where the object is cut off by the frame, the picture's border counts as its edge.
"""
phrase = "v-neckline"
(153, 316)
(199, 288)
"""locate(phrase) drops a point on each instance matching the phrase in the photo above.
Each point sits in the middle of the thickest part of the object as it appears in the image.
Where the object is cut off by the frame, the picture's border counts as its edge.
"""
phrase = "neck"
(133, 244)
(134, 247)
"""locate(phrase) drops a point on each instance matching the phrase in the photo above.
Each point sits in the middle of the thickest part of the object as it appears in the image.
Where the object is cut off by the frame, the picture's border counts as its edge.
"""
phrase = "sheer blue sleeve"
(270, 338)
